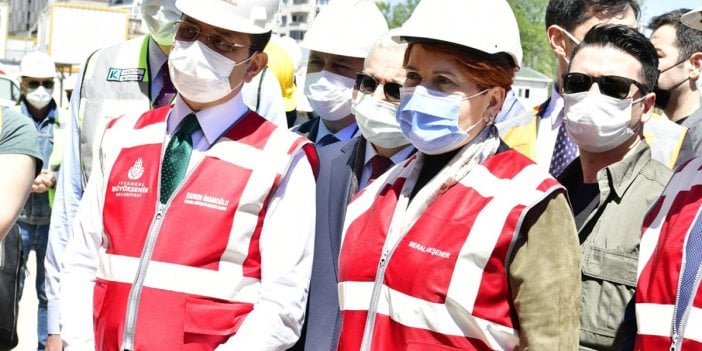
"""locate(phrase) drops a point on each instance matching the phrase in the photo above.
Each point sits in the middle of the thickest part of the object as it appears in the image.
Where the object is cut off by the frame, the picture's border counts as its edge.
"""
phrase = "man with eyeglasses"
(197, 225)
(37, 71)
(542, 136)
(338, 42)
(608, 92)
(345, 169)
(680, 55)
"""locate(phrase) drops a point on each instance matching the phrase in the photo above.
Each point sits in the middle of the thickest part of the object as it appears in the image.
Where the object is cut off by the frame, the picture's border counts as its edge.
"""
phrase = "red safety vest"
(444, 282)
(186, 274)
(665, 233)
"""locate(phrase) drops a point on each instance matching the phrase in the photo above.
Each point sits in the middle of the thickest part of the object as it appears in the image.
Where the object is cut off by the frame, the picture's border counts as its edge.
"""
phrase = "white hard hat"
(346, 28)
(244, 16)
(37, 65)
(693, 19)
(488, 26)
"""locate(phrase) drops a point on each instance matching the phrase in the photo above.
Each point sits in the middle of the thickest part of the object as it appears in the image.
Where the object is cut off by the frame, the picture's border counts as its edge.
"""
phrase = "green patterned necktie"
(177, 156)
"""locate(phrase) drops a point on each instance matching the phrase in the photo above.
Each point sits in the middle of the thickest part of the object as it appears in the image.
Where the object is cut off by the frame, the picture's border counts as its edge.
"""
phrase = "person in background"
(346, 168)
(20, 161)
(542, 136)
(37, 71)
(468, 244)
(183, 239)
(608, 93)
(338, 45)
(680, 55)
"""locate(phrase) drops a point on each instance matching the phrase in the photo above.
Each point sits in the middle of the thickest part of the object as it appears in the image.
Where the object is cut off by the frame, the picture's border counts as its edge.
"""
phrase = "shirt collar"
(617, 177)
(51, 115)
(398, 157)
(345, 134)
(214, 121)
(157, 58)
(554, 107)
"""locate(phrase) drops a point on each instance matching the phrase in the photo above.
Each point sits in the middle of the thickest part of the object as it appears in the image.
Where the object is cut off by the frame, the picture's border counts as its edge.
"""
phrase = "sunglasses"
(367, 85)
(35, 84)
(613, 86)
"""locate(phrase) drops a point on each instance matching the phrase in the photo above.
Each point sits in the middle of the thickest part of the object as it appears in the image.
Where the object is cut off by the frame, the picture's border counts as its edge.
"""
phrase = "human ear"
(257, 63)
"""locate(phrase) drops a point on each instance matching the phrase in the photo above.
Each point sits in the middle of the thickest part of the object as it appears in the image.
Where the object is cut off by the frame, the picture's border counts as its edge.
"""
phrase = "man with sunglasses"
(680, 55)
(37, 71)
(542, 136)
(197, 225)
(608, 93)
(345, 169)
(338, 41)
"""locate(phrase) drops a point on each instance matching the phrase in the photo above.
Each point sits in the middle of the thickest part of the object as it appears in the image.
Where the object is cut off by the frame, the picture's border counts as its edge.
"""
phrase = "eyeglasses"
(367, 85)
(34, 84)
(188, 32)
(613, 86)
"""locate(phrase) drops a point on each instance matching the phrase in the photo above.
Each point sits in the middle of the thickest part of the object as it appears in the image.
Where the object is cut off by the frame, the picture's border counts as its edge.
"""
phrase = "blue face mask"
(429, 119)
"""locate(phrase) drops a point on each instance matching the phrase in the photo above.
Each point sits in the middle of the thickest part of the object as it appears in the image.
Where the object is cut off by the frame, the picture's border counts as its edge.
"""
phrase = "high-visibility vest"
(115, 82)
(198, 254)
(443, 279)
(666, 230)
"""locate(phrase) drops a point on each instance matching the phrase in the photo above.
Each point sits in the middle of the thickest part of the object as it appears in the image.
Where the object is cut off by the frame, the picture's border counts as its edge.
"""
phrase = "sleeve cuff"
(52, 316)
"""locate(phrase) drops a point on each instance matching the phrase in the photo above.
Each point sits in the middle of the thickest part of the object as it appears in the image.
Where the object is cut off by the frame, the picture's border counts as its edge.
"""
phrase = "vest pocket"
(212, 322)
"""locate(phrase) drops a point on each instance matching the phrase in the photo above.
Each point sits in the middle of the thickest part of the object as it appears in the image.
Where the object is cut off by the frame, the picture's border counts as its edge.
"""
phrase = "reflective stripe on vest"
(458, 250)
(205, 263)
(520, 133)
(103, 97)
(665, 138)
(665, 232)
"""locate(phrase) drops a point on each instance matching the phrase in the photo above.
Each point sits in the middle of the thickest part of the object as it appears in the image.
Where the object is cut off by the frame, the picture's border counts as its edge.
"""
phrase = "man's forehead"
(606, 60)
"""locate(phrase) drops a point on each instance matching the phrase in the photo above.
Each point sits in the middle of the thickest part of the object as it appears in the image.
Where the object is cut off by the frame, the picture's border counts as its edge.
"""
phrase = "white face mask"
(596, 122)
(329, 94)
(160, 17)
(377, 122)
(39, 97)
(199, 73)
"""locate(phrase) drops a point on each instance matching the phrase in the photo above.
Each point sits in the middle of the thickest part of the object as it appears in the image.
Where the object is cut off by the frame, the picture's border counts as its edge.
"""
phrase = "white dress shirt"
(398, 157)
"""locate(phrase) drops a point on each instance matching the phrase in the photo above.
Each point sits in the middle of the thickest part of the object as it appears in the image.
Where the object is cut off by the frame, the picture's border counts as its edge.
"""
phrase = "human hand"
(44, 181)
(53, 343)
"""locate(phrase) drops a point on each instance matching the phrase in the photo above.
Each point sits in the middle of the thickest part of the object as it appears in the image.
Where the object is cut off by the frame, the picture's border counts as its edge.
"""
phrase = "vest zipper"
(135, 291)
(147, 252)
(375, 296)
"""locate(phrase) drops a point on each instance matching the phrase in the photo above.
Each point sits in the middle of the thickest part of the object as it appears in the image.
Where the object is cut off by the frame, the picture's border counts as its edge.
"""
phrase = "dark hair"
(569, 14)
(687, 40)
(628, 40)
(259, 42)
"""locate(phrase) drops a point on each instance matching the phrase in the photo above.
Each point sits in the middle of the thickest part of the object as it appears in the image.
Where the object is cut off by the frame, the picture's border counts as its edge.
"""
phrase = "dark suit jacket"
(341, 165)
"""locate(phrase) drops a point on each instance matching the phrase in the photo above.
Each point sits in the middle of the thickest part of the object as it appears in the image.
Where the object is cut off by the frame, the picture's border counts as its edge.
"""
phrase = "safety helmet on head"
(488, 26)
(693, 19)
(244, 16)
(37, 65)
(346, 28)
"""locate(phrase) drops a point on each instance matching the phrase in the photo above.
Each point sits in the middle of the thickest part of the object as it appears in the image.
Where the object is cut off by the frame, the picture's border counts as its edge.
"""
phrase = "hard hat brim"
(693, 19)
